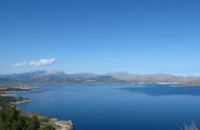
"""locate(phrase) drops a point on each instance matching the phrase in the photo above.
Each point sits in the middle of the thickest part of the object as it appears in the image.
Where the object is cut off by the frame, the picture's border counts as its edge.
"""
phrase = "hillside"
(57, 78)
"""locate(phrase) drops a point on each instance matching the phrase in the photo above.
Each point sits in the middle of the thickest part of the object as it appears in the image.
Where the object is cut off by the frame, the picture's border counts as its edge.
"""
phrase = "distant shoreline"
(41, 78)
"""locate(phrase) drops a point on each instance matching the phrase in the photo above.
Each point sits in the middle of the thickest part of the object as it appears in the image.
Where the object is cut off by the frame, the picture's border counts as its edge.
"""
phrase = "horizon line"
(105, 73)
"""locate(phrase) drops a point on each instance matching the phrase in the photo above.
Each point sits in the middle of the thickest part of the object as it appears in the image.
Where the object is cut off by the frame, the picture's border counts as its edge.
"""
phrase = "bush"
(12, 119)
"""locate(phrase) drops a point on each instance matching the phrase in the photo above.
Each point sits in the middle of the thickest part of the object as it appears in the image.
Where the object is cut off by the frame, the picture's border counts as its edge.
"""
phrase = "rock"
(63, 125)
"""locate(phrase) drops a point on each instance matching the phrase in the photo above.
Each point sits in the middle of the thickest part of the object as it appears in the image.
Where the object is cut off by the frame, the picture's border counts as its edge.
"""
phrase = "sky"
(100, 36)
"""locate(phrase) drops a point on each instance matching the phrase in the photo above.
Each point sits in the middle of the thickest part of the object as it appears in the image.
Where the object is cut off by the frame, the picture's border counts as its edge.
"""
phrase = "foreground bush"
(12, 119)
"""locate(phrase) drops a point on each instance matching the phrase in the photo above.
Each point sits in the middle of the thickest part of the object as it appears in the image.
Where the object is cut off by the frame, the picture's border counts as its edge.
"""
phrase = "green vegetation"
(6, 100)
(12, 119)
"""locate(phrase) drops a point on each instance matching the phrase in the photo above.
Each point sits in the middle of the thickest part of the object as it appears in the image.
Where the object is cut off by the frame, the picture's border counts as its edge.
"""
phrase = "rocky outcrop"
(58, 124)
(63, 125)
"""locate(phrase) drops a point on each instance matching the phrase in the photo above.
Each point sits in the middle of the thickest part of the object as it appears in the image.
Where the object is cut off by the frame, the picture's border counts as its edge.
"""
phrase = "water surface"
(118, 107)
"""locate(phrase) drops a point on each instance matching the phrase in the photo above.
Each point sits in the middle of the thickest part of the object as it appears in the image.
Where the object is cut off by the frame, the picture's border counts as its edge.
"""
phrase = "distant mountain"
(54, 78)
(59, 77)
(145, 78)
(157, 78)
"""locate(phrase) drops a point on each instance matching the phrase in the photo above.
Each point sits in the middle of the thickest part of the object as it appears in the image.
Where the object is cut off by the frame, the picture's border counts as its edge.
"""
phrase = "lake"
(118, 107)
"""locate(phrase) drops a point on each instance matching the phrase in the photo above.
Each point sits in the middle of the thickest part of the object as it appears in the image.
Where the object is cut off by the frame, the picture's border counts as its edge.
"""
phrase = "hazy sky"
(100, 36)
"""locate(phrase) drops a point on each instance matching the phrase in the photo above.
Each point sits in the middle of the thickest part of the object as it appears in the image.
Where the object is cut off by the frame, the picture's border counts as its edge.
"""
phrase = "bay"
(118, 107)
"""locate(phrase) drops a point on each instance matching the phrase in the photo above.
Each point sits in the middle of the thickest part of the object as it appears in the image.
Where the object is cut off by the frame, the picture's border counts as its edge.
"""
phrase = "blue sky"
(100, 36)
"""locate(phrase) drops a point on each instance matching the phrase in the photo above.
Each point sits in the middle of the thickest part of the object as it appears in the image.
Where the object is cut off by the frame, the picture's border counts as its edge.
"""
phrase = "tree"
(12, 119)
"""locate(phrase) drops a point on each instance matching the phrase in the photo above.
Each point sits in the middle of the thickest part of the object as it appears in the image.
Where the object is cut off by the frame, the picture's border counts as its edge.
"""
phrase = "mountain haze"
(59, 77)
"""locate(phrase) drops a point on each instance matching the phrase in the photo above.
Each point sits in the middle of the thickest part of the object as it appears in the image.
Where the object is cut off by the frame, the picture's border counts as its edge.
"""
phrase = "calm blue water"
(125, 107)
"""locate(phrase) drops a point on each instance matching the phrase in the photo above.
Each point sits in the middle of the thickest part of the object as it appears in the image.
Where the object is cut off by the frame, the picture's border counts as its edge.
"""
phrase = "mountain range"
(59, 77)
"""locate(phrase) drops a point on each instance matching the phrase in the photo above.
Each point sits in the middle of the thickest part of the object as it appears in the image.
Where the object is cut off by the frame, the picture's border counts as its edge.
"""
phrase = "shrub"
(12, 119)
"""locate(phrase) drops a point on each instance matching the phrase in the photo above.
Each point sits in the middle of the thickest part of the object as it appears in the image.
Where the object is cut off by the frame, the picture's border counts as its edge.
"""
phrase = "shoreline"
(21, 102)
(10, 99)
(58, 124)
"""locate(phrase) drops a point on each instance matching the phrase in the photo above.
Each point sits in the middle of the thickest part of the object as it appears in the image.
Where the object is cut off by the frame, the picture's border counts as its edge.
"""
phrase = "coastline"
(58, 124)
(20, 102)
(13, 100)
